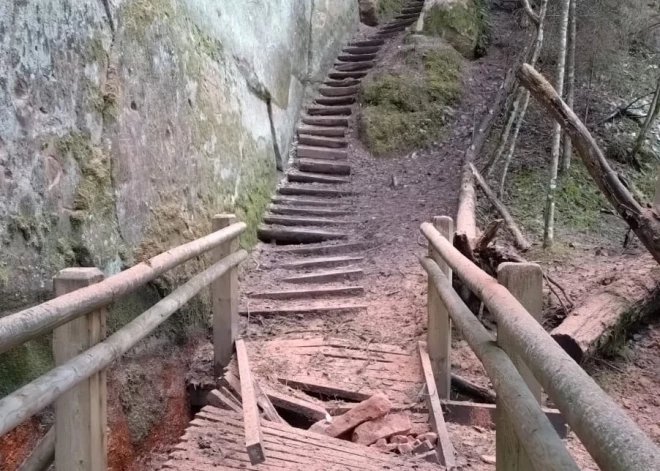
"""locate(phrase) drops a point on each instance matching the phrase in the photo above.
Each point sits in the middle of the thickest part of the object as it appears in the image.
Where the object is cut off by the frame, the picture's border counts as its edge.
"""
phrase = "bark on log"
(643, 221)
(605, 315)
(466, 224)
(518, 237)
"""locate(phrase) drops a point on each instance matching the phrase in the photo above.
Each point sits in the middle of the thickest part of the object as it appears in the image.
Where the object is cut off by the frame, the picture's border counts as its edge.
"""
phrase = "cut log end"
(570, 346)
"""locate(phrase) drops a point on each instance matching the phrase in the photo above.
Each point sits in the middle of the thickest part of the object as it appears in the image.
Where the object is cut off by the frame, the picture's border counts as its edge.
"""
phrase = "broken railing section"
(77, 318)
(523, 359)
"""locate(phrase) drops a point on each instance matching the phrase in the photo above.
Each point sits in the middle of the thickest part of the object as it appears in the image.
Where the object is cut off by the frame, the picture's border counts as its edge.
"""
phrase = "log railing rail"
(523, 358)
(77, 384)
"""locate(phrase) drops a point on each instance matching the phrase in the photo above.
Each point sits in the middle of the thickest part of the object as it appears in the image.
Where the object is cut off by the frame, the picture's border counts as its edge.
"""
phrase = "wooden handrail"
(35, 396)
(614, 441)
(537, 435)
(33, 322)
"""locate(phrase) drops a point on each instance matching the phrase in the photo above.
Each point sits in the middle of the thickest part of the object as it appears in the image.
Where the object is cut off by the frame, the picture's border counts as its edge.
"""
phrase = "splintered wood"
(253, 435)
(337, 369)
(214, 442)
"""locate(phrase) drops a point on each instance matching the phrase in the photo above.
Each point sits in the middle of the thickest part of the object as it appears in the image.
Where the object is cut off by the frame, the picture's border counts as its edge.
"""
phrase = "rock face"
(385, 427)
(462, 23)
(124, 125)
(369, 12)
(373, 408)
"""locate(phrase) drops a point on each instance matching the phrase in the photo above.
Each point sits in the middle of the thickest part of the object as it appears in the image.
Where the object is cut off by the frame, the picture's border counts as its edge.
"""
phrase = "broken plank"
(319, 386)
(445, 448)
(324, 249)
(326, 153)
(326, 276)
(313, 190)
(295, 404)
(308, 177)
(311, 293)
(331, 121)
(321, 262)
(298, 211)
(284, 310)
(303, 221)
(263, 401)
(324, 166)
(296, 236)
(320, 141)
(254, 441)
(219, 399)
(319, 202)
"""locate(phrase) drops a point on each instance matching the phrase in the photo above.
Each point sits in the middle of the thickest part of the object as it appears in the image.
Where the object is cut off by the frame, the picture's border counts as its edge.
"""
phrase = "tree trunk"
(605, 315)
(644, 222)
(570, 80)
(650, 117)
(504, 137)
(549, 226)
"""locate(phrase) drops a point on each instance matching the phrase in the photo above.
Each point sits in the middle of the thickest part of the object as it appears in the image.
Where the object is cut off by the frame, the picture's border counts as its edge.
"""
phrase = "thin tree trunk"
(570, 80)
(643, 221)
(650, 117)
(504, 137)
(549, 226)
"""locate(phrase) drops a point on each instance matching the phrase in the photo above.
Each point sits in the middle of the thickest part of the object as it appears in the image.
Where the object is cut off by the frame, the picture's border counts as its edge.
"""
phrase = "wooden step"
(317, 141)
(329, 110)
(389, 34)
(356, 57)
(311, 293)
(313, 190)
(407, 16)
(340, 75)
(323, 249)
(367, 42)
(297, 211)
(322, 153)
(343, 83)
(316, 202)
(321, 131)
(326, 276)
(335, 100)
(306, 177)
(283, 310)
(324, 166)
(394, 27)
(290, 235)
(321, 262)
(303, 221)
(338, 91)
(353, 66)
(362, 50)
(331, 121)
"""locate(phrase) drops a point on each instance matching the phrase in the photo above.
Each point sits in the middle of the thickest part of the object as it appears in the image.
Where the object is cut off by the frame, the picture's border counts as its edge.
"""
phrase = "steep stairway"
(313, 263)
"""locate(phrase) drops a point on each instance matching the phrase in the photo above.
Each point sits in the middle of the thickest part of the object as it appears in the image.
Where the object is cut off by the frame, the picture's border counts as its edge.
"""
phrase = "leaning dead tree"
(549, 223)
(645, 222)
(651, 115)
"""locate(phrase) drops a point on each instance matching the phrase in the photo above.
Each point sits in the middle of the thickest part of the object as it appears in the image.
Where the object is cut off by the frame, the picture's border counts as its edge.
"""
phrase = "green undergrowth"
(403, 111)
(463, 23)
(388, 9)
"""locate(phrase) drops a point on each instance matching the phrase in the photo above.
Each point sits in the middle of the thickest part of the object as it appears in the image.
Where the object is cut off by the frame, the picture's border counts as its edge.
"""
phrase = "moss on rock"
(24, 363)
(463, 23)
(406, 110)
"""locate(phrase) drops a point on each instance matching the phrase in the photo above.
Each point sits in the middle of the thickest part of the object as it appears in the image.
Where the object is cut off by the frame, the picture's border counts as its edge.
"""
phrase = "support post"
(224, 299)
(439, 323)
(525, 282)
(80, 414)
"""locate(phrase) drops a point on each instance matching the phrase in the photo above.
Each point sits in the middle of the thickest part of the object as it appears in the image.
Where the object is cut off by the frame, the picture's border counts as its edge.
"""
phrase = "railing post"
(80, 414)
(525, 282)
(439, 323)
(224, 294)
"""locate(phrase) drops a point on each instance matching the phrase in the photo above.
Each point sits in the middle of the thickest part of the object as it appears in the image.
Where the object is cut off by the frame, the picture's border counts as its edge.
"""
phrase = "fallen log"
(518, 238)
(469, 388)
(645, 222)
(603, 318)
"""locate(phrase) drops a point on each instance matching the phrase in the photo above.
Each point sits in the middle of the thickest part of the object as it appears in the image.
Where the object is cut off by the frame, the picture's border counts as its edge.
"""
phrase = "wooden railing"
(522, 360)
(76, 316)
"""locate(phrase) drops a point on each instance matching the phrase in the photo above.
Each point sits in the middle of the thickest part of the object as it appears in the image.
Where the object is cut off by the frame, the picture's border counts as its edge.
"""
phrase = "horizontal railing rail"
(77, 384)
(614, 441)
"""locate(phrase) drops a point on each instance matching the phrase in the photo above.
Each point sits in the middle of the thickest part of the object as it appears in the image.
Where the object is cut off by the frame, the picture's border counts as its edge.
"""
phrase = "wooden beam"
(295, 404)
(224, 298)
(254, 442)
(43, 454)
(81, 414)
(264, 402)
(218, 398)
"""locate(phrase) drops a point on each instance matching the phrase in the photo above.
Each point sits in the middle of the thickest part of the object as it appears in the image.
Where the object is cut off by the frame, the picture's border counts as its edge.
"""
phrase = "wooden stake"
(439, 324)
(80, 414)
(254, 442)
(224, 299)
(525, 282)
